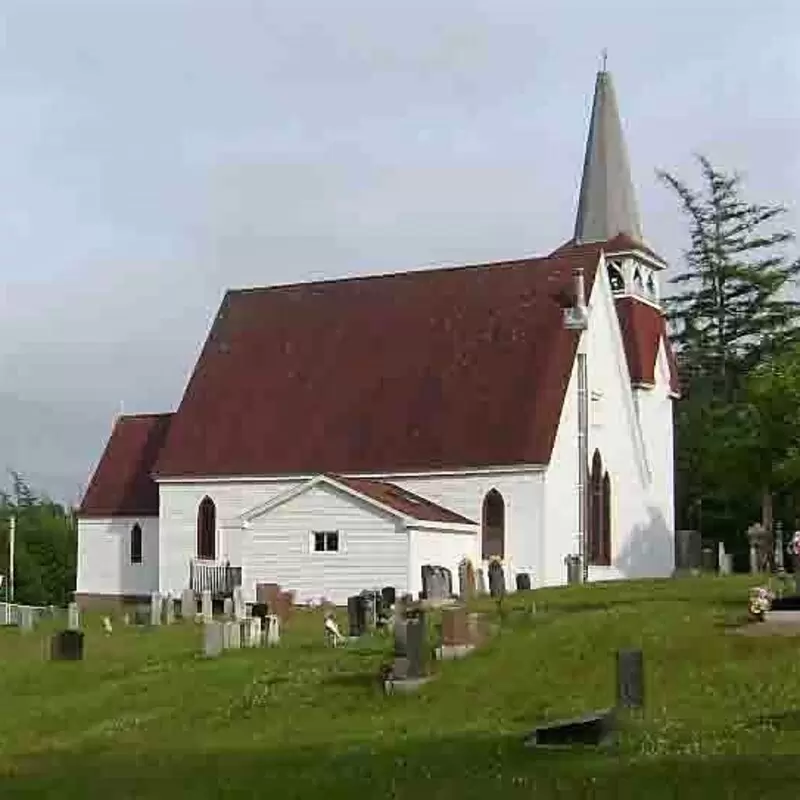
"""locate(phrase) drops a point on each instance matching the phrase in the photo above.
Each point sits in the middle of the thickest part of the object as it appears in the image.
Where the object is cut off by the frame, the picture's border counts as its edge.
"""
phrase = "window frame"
(326, 537)
(136, 549)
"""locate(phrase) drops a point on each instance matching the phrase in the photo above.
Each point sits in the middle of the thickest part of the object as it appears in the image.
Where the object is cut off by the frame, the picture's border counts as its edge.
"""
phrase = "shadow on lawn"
(464, 767)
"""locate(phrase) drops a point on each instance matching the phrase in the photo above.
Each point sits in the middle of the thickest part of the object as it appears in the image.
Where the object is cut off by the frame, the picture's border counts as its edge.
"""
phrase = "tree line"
(735, 328)
(46, 545)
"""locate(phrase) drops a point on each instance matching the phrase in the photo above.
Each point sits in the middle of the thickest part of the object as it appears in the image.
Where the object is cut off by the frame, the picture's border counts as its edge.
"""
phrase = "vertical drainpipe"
(577, 319)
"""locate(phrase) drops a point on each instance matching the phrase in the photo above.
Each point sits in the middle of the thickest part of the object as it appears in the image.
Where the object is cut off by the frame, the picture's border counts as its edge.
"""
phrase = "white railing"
(11, 613)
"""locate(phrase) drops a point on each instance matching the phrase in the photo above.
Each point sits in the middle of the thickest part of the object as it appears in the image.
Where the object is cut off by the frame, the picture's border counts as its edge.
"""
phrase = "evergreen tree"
(731, 308)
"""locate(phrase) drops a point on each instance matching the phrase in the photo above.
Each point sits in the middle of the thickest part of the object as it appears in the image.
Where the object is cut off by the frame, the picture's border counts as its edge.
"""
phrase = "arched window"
(615, 277)
(638, 286)
(599, 516)
(651, 287)
(136, 544)
(207, 530)
(493, 527)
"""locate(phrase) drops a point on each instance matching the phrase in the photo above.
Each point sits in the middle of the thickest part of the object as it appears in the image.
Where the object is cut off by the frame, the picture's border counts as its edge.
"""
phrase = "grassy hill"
(145, 717)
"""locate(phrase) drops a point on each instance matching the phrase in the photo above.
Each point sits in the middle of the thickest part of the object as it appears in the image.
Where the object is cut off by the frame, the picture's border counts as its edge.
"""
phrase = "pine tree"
(731, 309)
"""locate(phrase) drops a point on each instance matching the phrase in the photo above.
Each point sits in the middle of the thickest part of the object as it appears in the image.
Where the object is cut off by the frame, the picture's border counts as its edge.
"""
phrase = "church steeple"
(607, 203)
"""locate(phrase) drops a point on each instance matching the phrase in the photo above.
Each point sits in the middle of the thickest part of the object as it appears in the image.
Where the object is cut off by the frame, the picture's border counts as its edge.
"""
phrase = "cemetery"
(616, 689)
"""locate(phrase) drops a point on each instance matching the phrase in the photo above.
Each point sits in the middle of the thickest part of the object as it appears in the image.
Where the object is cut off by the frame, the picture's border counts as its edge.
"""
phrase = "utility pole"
(12, 536)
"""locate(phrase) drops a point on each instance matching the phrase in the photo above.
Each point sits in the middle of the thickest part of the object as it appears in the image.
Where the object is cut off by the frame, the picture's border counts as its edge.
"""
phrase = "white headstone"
(27, 619)
(253, 631)
(155, 608)
(273, 629)
(73, 617)
(169, 610)
(232, 635)
(238, 604)
(227, 608)
(108, 628)
(188, 604)
(206, 606)
(212, 639)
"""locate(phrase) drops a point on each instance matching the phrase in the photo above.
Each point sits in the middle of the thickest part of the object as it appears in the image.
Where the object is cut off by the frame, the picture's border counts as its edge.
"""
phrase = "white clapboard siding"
(104, 549)
(443, 549)
(374, 547)
(179, 503)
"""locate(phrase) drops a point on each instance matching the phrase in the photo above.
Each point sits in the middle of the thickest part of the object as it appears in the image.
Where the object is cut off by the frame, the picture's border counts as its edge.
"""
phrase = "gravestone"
(273, 632)
(437, 582)
(389, 595)
(370, 610)
(155, 608)
(267, 593)
(260, 610)
(227, 608)
(630, 679)
(411, 647)
(523, 582)
(708, 560)
(466, 579)
(27, 618)
(480, 582)
(455, 630)
(238, 604)
(67, 646)
(169, 610)
(253, 635)
(591, 729)
(213, 640)
(356, 618)
(206, 606)
(231, 635)
(688, 546)
(73, 617)
(497, 579)
(726, 564)
(188, 604)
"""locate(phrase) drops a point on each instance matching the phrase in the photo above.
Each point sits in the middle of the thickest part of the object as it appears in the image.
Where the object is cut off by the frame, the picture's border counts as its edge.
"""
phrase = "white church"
(338, 435)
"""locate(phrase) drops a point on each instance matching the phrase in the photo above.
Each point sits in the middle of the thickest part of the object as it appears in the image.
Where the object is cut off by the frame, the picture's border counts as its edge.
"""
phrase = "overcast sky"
(155, 152)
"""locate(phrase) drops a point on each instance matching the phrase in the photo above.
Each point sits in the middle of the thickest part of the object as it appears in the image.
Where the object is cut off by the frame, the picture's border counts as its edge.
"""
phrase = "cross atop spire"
(607, 203)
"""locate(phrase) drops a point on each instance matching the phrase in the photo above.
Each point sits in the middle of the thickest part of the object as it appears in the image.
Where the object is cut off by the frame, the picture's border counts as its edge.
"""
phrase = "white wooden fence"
(12, 613)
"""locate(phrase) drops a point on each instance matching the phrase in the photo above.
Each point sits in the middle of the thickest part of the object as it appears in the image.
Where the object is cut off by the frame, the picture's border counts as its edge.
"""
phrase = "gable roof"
(409, 507)
(121, 485)
(430, 369)
(643, 330)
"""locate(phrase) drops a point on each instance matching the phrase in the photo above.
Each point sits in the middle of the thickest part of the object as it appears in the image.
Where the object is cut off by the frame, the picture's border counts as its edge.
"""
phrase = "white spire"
(607, 203)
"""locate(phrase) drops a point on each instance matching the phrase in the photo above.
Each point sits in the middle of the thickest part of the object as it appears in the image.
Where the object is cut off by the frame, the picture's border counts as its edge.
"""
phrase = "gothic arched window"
(493, 528)
(207, 530)
(615, 277)
(136, 544)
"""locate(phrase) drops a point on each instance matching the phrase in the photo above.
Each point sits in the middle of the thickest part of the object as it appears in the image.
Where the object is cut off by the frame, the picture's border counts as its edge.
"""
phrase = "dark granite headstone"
(260, 610)
(437, 582)
(388, 595)
(593, 729)
(630, 679)
(688, 546)
(416, 646)
(67, 646)
(789, 603)
(356, 616)
(523, 582)
(708, 559)
(497, 579)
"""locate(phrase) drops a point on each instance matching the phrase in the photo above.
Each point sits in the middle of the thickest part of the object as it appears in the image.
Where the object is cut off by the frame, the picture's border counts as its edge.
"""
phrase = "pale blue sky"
(154, 153)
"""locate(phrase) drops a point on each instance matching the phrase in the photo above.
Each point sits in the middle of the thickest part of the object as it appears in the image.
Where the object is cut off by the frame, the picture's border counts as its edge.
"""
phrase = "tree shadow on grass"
(464, 767)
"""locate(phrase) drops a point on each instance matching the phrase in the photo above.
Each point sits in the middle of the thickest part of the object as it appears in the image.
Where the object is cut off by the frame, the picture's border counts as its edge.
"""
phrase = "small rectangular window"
(326, 541)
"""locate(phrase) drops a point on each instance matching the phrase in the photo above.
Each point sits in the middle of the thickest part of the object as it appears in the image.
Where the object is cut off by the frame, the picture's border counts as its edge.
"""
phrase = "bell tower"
(607, 209)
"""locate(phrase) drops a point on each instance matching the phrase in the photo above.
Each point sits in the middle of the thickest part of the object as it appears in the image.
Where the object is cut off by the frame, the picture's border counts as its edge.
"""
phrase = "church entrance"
(493, 526)
(599, 516)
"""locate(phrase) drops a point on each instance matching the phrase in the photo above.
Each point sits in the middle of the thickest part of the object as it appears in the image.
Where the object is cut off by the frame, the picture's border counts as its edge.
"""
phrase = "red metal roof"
(408, 503)
(430, 369)
(643, 330)
(121, 485)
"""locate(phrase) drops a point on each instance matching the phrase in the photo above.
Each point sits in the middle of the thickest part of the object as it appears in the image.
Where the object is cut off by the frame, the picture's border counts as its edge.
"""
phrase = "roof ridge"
(404, 274)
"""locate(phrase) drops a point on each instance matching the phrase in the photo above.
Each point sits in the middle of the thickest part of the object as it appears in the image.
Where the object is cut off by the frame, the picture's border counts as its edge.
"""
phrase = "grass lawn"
(145, 717)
